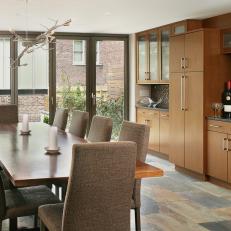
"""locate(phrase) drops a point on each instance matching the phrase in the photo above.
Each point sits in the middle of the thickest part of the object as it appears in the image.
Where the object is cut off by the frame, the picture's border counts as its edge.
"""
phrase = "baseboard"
(219, 182)
(158, 154)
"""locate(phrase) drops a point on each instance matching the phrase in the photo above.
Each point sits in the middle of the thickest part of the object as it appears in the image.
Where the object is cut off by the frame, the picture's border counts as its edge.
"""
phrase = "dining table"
(26, 162)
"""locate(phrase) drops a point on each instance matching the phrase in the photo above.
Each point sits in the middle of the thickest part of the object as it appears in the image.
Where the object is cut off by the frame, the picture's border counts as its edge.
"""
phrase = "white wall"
(132, 78)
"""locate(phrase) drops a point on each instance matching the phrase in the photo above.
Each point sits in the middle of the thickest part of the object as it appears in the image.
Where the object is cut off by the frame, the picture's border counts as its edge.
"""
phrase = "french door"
(90, 73)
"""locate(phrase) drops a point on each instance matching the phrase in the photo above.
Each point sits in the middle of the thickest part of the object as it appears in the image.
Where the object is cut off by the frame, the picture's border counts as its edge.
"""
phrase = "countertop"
(219, 119)
(151, 108)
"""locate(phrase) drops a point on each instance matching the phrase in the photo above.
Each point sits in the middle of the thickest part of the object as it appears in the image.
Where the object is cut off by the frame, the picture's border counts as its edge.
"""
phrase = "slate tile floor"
(176, 202)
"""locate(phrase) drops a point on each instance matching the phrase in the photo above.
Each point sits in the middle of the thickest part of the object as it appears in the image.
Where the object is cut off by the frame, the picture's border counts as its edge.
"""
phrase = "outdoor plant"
(74, 97)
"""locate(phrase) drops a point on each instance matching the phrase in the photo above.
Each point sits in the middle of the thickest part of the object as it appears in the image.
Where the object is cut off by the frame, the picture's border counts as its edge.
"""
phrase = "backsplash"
(160, 91)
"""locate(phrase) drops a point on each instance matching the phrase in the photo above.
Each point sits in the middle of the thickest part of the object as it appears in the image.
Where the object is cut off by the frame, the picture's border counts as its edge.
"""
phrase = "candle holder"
(25, 133)
(52, 151)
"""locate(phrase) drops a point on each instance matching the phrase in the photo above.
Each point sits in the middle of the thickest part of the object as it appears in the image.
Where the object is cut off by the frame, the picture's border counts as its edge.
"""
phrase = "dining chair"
(9, 113)
(100, 129)
(60, 120)
(138, 133)
(79, 123)
(20, 202)
(99, 190)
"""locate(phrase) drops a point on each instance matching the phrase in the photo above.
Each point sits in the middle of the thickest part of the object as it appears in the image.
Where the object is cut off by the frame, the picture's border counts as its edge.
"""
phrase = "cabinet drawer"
(219, 126)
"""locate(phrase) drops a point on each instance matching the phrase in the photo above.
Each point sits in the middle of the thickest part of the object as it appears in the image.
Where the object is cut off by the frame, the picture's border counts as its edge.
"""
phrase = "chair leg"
(13, 224)
(64, 190)
(42, 226)
(35, 220)
(57, 190)
(137, 219)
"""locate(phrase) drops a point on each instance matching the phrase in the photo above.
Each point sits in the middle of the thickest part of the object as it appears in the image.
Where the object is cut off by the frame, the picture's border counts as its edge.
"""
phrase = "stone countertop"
(151, 108)
(219, 119)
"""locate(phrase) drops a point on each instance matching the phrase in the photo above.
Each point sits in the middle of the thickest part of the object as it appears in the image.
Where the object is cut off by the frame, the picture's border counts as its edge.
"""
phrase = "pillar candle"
(53, 138)
(25, 123)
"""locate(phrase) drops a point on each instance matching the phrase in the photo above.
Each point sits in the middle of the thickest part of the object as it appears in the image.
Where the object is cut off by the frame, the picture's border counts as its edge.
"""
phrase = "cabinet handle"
(185, 62)
(182, 63)
(225, 144)
(214, 126)
(181, 93)
(185, 107)
(164, 115)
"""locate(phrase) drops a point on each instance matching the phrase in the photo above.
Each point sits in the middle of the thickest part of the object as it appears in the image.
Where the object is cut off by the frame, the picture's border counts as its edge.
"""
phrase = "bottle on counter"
(226, 100)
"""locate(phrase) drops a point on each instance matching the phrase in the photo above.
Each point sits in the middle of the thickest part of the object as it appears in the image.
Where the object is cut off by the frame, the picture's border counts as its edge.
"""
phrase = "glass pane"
(165, 55)
(227, 40)
(110, 83)
(33, 84)
(78, 45)
(179, 29)
(153, 56)
(70, 79)
(142, 55)
(5, 71)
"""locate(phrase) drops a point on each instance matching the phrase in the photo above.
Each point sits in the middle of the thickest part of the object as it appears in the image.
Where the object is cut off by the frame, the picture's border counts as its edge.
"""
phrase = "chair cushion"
(25, 201)
(51, 216)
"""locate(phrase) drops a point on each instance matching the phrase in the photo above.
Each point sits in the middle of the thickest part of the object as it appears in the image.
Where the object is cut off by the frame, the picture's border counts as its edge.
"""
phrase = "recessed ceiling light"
(107, 13)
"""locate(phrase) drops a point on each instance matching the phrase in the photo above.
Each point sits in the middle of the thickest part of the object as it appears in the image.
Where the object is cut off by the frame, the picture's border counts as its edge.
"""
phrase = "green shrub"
(46, 119)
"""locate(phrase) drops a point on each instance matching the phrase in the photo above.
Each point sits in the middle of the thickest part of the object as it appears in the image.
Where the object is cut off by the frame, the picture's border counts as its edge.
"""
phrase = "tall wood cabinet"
(192, 76)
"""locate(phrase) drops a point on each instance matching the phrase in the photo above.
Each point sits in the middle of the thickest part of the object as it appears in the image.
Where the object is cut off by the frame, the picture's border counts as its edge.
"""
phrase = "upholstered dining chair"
(138, 133)
(100, 129)
(99, 190)
(79, 123)
(23, 202)
(8, 113)
(60, 120)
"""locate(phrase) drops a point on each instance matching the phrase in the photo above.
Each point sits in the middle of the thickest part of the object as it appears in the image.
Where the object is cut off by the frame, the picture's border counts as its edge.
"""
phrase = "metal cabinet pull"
(181, 93)
(185, 107)
(164, 115)
(228, 145)
(225, 144)
(182, 63)
(185, 62)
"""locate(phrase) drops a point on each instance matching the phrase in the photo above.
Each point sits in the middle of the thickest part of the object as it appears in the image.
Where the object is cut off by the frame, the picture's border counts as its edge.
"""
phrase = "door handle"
(181, 93)
(93, 97)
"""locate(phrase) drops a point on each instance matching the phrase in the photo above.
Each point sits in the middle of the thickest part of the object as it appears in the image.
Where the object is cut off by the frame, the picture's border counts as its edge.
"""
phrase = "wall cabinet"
(191, 79)
(159, 128)
(219, 150)
(226, 41)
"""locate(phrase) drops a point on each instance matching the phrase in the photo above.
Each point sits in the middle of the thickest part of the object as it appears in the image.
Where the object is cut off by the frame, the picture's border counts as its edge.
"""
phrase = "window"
(79, 52)
(97, 53)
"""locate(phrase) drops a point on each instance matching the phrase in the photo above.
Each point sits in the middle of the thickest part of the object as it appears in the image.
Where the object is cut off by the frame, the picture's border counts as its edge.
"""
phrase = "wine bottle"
(227, 100)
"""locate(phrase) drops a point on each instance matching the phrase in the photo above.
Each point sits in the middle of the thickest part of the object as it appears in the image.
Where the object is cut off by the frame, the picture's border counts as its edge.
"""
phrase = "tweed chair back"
(8, 113)
(2, 200)
(138, 133)
(60, 120)
(79, 123)
(100, 130)
(100, 187)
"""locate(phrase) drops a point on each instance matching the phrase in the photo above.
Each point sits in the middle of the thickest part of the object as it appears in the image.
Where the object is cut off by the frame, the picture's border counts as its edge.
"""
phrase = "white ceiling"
(106, 16)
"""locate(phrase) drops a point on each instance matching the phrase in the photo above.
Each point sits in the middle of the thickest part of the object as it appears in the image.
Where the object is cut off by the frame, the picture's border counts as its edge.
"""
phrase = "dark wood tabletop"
(25, 161)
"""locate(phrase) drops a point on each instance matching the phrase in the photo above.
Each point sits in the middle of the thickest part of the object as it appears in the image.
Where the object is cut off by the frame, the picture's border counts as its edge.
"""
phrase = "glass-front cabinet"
(226, 40)
(153, 56)
(142, 58)
(165, 33)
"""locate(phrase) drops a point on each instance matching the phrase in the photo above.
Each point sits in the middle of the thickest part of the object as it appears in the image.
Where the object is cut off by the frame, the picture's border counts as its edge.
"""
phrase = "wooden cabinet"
(186, 25)
(164, 132)
(159, 128)
(219, 150)
(191, 79)
(226, 41)
(147, 57)
(151, 118)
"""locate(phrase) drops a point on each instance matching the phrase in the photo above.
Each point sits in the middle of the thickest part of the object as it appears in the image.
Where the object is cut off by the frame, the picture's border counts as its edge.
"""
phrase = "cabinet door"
(165, 34)
(164, 132)
(229, 159)
(142, 58)
(176, 117)
(151, 118)
(176, 53)
(217, 155)
(194, 121)
(153, 56)
(194, 51)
